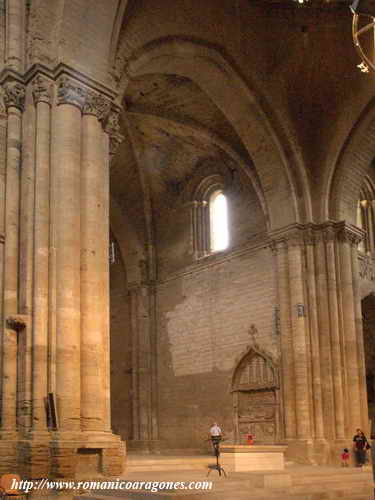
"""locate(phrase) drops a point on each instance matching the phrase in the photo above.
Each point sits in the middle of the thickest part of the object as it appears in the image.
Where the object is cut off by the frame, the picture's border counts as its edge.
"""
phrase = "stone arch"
(355, 163)
(283, 183)
(256, 399)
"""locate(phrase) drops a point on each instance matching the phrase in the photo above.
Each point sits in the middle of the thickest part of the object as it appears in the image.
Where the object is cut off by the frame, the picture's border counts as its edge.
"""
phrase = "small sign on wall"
(300, 310)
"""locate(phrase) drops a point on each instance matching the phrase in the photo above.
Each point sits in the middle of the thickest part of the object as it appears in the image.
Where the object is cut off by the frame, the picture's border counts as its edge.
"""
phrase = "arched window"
(218, 207)
(209, 216)
(365, 218)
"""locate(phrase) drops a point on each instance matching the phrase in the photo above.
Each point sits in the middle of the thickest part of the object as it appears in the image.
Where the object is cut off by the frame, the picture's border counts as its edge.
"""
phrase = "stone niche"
(89, 461)
(256, 398)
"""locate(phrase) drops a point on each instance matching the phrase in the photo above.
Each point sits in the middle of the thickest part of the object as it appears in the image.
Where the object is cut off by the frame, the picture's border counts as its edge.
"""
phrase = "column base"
(93, 453)
(34, 457)
(9, 457)
(69, 455)
(301, 451)
(144, 446)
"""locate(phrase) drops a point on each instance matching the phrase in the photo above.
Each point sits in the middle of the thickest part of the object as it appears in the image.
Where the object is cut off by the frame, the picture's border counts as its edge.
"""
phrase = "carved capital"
(71, 92)
(42, 90)
(14, 94)
(97, 105)
(347, 235)
(112, 123)
(112, 128)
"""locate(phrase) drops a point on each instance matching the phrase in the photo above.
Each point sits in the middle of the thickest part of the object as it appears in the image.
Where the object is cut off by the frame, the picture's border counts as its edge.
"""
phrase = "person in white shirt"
(216, 436)
(215, 430)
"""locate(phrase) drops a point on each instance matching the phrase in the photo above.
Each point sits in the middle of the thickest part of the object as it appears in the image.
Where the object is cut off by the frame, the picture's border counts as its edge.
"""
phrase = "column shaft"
(94, 271)
(324, 338)
(286, 343)
(335, 341)
(299, 343)
(11, 259)
(41, 265)
(25, 301)
(370, 219)
(67, 145)
(15, 26)
(106, 285)
(315, 351)
(351, 350)
(360, 342)
(3, 148)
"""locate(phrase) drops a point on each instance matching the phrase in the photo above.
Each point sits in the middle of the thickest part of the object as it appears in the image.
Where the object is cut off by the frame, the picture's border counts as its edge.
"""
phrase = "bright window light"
(219, 222)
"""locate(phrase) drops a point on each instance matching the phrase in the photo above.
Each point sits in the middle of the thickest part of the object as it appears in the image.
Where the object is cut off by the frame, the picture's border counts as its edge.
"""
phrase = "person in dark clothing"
(360, 447)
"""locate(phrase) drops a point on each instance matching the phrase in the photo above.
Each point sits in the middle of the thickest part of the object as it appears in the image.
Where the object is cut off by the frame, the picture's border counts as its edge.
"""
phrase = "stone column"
(370, 218)
(15, 30)
(3, 147)
(286, 340)
(66, 142)
(324, 335)
(330, 236)
(14, 102)
(359, 332)
(26, 256)
(360, 224)
(94, 267)
(314, 337)
(300, 354)
(194, 231)
(42, 100)
(111, 140)
(350, 331)
(106, 287)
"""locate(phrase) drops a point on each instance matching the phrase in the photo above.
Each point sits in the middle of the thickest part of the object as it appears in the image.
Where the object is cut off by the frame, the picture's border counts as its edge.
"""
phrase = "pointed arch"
(256, 399)
(284, 183)
(255, 353)
(355, 163)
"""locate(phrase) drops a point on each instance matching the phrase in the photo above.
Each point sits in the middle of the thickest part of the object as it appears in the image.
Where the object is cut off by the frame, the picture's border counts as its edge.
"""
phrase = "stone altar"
(243, 458)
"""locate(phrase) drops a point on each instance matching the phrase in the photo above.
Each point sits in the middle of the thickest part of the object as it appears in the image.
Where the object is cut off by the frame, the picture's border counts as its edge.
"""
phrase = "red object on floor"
(250, 439)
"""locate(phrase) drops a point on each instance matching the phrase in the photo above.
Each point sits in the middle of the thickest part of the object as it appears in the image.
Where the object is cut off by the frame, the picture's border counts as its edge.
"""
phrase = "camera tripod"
(217, 467)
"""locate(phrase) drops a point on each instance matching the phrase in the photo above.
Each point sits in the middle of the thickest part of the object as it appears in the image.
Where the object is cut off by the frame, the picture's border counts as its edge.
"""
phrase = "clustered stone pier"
(56, 336)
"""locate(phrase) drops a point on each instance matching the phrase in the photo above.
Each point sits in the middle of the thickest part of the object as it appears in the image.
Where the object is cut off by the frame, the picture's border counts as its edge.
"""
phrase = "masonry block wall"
(204, 319)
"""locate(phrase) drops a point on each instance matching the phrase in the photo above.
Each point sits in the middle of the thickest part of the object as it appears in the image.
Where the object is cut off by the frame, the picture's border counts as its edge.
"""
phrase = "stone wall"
(204, 317)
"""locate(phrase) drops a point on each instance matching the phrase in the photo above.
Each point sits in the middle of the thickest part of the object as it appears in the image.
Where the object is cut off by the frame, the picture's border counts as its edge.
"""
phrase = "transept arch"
(355, 163)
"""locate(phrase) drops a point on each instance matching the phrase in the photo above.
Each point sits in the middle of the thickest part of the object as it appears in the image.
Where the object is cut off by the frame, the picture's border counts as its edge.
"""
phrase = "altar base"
(243, 458)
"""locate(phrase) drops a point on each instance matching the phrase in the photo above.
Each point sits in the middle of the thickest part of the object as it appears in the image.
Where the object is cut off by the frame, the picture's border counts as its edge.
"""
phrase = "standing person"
(216, 436)
(360, 446)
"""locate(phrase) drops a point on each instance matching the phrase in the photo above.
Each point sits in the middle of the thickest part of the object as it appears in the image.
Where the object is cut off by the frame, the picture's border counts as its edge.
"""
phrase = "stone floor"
(296, 482)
